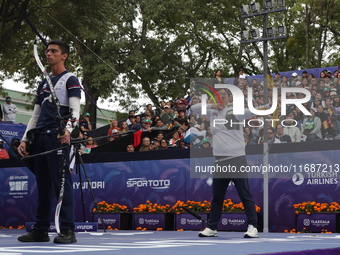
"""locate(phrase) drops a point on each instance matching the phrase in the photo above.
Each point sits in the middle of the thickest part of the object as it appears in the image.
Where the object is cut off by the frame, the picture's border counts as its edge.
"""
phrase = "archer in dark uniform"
(47, 167)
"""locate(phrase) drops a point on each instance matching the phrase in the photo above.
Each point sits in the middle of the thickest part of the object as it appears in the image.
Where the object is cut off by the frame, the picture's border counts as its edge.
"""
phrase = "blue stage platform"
(132, 242)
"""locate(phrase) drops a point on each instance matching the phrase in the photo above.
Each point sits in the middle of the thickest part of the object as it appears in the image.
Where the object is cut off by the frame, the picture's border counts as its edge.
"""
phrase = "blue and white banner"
(164, 181)
(10, 131)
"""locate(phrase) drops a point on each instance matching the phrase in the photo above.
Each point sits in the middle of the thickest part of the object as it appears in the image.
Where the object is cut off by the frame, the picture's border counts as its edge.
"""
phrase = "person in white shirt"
(10, 111)
(291, 130)
(229, 150)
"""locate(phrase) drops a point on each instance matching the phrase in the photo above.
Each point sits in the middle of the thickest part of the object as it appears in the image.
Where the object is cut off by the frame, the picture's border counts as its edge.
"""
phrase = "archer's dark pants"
(219, 189)
(48, 178)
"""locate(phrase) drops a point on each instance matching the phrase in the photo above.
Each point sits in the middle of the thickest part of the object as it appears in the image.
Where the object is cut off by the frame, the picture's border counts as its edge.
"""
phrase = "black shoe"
(34, 236)
(66, 235)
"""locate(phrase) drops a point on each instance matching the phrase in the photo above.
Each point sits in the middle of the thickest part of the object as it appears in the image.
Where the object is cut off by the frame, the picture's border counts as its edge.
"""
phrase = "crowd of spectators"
(324, 107)
(191, 130)
(174, 126)
(168, 124)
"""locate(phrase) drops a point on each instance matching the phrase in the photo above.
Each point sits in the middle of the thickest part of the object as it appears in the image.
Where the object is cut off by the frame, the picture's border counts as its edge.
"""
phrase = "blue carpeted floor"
(130, 242)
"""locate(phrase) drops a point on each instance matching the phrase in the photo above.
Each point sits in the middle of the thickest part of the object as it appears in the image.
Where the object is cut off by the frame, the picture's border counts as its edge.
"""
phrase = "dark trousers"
(219, 189)
(48, 170)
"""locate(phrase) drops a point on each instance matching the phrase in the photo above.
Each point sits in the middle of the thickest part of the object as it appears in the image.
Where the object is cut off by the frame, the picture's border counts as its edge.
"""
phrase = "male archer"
(48, 168)
(229, 150)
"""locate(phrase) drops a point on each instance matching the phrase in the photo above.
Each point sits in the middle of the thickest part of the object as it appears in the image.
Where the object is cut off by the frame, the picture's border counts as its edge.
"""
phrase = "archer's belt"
(48, 131)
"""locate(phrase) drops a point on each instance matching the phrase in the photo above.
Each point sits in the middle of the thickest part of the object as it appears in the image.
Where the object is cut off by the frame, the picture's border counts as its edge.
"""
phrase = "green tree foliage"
(137, 48)
(312, 27)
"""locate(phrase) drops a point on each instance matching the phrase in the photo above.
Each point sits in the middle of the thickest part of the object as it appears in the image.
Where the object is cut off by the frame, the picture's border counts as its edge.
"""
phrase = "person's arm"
(317, 125)
(73, 121)
(33, 121)
(89, 125)
(82, 127)
(87, 119)
(15, 109)
(31, 124)
(75, 109)
(303, 125)
(297, 135)
(5, 109)
(197, 108)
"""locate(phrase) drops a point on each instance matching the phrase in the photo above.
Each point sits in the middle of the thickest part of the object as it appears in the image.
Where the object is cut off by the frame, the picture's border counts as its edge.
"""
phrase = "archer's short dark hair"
(63, 46)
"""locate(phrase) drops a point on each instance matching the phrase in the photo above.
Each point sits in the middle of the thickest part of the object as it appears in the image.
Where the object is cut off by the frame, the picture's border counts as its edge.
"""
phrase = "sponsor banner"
(79, 226)
(10, 131)
(315, 178)
(112, 220)
(164, 181)
(317, 222)
(132, 183)
(233, 221)
(188, 222)
(18, 186)
(149, 220)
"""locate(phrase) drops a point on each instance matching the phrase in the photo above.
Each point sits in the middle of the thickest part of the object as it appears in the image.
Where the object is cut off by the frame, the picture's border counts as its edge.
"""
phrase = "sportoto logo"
(298, 179)
(153, 184)
(141, 221)
(306, 222)
(224, 221)
(183, 221)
